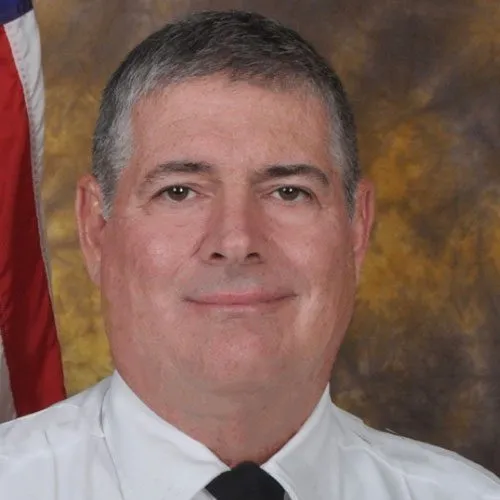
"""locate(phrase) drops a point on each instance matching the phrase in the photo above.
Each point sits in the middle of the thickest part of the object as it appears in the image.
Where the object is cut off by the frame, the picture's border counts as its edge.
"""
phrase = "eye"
(292, 193)
(177, 193)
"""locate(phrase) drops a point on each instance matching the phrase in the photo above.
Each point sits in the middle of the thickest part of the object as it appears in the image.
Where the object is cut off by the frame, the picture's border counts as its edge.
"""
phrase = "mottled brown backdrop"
(423, 353)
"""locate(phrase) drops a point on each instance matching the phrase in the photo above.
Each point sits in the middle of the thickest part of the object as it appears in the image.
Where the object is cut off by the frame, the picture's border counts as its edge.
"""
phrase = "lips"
(240, 298)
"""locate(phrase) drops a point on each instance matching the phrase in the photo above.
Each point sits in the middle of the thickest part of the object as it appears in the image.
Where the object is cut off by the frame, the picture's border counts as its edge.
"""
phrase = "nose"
(234, 233)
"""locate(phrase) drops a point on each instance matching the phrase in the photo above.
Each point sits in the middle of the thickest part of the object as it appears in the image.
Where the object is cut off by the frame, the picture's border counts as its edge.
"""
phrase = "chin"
(245, 371)
(239, 382)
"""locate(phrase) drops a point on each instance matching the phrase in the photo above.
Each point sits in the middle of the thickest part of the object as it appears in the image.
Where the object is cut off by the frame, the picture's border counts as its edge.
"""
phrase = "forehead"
(220, 121)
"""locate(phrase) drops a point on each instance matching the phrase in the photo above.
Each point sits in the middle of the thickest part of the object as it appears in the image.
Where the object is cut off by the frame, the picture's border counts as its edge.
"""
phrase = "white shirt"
(105, 444)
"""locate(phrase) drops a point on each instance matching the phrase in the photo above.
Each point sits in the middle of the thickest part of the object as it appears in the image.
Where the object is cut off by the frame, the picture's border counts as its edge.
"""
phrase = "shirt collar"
(155, 460)
(305, 465)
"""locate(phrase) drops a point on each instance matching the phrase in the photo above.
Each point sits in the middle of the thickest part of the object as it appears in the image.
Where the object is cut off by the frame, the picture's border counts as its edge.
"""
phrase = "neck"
(240, 426)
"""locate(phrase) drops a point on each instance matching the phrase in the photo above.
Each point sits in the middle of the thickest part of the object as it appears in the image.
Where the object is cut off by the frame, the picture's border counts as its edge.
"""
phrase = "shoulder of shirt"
(68, 422)
(415, 460)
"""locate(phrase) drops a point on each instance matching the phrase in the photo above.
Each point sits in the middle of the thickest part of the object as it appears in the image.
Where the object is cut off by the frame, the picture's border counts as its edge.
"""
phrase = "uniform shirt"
(105, 444)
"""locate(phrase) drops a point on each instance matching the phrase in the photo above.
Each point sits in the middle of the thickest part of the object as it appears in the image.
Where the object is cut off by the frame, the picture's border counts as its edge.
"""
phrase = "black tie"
(246, 481)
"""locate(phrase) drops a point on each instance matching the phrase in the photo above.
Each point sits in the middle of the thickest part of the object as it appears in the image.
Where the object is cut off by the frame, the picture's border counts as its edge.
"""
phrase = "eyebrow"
(267, 173)
(177, 167)
(174, 167)
(300, 169)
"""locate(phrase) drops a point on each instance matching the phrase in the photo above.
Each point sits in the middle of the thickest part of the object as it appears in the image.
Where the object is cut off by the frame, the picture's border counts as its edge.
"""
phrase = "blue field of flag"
(12, 9)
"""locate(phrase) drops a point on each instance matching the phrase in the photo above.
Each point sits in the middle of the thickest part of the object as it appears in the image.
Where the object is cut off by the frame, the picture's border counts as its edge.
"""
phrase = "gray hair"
(246, 47)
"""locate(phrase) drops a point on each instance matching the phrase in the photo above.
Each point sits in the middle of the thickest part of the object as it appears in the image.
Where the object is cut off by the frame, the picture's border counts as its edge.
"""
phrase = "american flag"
(31, 375)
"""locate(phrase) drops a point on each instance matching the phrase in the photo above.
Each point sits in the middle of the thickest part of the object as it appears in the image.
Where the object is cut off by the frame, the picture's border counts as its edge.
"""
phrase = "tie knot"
(246, 481)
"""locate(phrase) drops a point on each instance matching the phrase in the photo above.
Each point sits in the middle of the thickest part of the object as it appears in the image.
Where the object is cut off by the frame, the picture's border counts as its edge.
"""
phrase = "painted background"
(422, 356)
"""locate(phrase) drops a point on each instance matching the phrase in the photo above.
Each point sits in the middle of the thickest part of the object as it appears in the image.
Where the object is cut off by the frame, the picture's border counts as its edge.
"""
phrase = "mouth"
(246, 300)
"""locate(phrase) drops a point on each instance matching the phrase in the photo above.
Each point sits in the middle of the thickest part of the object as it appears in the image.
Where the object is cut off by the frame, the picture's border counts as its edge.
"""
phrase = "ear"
(91, 223)
(362, 222)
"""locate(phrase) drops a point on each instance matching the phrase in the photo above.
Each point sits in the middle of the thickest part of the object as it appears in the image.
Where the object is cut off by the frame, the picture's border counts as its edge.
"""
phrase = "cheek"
(320, 252)
(145, 252)
(323, 257)
(141, 269)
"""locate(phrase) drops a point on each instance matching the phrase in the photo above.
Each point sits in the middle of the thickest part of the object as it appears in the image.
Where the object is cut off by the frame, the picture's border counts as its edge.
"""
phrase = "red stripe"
(26, 317)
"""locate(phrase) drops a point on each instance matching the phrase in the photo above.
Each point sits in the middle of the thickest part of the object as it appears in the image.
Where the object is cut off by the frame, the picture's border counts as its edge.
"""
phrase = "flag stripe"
(13, 9)
(24, 41)
(27, 322)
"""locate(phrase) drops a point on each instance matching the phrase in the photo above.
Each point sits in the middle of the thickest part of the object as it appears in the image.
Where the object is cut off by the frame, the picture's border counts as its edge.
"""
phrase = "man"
(225, 223)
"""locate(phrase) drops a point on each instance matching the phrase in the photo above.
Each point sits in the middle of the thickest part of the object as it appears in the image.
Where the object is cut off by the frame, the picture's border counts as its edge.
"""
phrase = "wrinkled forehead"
(296, 85)
(288, 84)
(223, 118)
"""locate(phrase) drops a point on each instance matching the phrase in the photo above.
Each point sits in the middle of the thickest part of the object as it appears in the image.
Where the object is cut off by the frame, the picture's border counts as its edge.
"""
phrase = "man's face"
(229, 258)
